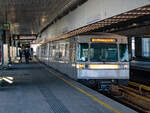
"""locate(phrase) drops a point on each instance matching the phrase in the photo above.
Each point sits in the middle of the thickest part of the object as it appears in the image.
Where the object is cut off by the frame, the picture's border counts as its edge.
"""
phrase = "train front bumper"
(103, 74)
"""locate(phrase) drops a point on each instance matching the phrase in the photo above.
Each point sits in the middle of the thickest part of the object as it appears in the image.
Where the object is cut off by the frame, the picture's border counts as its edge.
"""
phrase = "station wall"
(90, 12)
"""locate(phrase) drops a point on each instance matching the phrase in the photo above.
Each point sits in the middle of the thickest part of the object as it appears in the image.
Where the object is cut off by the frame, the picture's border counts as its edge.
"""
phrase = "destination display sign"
(103, 40)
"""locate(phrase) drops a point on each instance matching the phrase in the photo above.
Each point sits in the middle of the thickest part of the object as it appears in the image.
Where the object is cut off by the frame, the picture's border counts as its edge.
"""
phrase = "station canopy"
(32, 16)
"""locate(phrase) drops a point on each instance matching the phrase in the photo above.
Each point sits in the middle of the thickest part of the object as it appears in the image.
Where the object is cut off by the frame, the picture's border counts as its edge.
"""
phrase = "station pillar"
(17, 43)
(5, 49)
(1, 48)
(138, 47)
(130, 47)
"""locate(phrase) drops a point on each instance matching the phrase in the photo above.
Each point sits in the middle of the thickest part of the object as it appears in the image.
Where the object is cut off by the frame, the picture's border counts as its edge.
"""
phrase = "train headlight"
(125, 66)
(80, 66)
(103, 66)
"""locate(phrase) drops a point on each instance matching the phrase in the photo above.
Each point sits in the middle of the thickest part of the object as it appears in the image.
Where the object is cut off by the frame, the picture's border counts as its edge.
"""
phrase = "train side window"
(53, 51)
(57, 52)
(123, 52)
(83, 52)
(67, 51)
(61, 51)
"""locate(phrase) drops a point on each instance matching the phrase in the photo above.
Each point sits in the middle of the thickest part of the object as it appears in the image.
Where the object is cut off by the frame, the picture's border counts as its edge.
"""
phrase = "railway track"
(134, 95)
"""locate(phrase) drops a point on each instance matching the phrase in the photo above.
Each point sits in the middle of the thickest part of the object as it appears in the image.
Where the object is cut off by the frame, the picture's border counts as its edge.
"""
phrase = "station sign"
(146, 36)
(6, 26)
(27, 37)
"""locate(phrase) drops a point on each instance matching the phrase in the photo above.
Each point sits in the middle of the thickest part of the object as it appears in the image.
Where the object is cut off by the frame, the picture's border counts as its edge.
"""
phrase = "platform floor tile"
(36, 90)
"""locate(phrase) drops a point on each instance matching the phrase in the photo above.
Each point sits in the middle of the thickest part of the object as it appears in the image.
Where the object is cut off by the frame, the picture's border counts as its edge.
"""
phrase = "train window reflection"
(123, 52)
(83, 52)
(0, 52)
(100, 52)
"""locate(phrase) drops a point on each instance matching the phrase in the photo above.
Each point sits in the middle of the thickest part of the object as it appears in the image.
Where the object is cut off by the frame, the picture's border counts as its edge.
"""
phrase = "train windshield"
(123, 52)
(83, 52)
(102, 52)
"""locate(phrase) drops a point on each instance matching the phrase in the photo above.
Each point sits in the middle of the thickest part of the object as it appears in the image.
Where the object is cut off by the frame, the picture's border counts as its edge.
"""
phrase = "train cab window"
(123, 52)
(101, 52)
(83, 52)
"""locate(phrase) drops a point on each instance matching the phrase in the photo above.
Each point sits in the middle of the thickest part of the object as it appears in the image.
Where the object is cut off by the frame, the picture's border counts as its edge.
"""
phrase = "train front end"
(103, 59)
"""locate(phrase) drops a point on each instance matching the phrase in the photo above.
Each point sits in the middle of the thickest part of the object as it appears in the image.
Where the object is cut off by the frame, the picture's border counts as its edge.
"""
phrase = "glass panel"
(133, 46)
(100, 52)
(44, 50)
(61, 51)
(57, 52)
(83, 52)
(123, 52)
(146, 47)
(67, 51)
(53, 51)
(0, 53)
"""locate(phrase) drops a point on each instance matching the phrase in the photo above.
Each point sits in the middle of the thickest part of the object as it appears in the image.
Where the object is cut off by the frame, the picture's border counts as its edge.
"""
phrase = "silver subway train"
(97, 58)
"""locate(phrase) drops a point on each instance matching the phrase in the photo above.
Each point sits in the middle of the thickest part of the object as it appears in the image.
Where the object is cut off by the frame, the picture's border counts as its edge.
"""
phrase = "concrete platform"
(38, 89)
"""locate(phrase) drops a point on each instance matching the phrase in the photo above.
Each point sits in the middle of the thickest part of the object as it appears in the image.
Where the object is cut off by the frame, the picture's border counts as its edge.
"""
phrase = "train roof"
(104, 34)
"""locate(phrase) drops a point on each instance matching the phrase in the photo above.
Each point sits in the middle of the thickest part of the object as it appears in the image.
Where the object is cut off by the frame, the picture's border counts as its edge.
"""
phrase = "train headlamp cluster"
(125, 66)
(80, 66)
(102, 66)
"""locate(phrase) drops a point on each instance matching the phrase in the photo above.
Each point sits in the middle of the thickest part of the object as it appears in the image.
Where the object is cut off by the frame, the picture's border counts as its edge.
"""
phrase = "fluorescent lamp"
(7, 80)
(10, 78)
(103, 66)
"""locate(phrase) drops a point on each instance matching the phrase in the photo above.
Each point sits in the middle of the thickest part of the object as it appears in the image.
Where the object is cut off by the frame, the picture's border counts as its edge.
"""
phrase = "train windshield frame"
(83, 51)
(103, 52)
(123, 49)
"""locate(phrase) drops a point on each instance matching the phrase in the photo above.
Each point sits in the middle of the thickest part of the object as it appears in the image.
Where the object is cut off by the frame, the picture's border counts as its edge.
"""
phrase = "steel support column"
(138, 47)
(1, 49)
